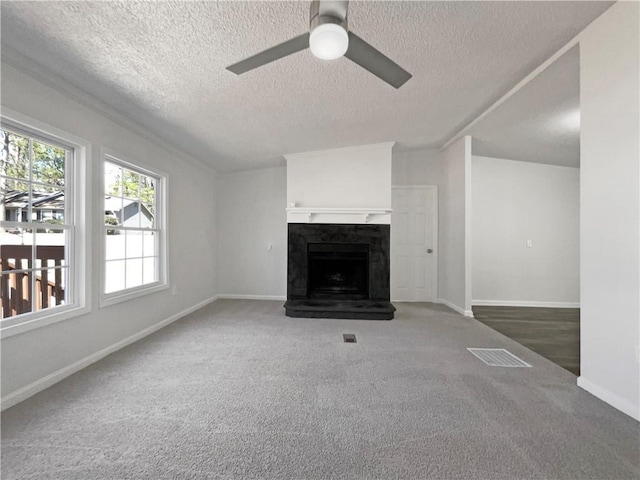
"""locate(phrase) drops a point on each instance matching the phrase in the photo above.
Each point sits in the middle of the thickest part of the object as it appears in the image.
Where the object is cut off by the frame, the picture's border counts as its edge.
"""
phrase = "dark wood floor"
(553, 333)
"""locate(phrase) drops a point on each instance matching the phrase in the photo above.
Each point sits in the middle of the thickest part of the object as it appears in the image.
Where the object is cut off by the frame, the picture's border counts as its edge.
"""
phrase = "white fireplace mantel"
(338, 215)
(344, 185)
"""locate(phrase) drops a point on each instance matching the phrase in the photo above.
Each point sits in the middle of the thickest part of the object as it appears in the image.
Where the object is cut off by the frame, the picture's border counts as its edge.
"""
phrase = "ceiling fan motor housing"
(327, 12)
(323, 19)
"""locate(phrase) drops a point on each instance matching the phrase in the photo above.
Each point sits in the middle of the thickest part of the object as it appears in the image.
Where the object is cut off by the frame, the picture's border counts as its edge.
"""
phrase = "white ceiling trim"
(14, 59)
(343, 150)
(467, 128)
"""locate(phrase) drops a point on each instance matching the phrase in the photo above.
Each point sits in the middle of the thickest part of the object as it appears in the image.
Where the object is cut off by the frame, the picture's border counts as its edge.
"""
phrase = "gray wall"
(454, 267)
(610, 207)
(514, 202)
(418, 167)
(54, 349)
(252, 216)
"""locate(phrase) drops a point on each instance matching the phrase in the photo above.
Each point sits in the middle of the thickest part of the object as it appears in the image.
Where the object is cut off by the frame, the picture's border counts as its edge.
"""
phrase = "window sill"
(40, 319)
(107, 300)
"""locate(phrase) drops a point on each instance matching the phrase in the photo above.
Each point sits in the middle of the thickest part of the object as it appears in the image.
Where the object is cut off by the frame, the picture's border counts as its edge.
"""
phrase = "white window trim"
(107, 299)
(80, 267)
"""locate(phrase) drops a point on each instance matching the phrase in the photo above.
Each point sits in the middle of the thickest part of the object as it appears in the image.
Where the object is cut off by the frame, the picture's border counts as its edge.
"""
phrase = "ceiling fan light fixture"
(329, 38)
(329, 41)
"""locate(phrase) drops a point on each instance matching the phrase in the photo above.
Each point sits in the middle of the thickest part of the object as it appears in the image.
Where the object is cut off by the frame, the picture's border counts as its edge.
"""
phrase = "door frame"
(433, 189)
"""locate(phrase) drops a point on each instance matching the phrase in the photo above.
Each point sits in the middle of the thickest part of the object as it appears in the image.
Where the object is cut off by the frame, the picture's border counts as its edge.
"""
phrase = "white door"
(414, 236)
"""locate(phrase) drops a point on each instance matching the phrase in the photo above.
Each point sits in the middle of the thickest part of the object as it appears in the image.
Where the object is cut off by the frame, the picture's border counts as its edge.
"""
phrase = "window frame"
(77, 204)
(160, 217)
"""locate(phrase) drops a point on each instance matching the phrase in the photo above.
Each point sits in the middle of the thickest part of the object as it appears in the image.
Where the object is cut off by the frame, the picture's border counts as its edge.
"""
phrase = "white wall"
(354, 177)
(252, 216)
(609, 209)
(454, 230)
(514, 202)
(251, 213)
(33, 358)
(418, 167)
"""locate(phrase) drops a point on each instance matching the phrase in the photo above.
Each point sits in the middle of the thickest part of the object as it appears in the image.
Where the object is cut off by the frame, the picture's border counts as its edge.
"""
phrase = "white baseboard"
(611, 398)
(461, 311)
(395, 300)
(27, 391)
(523, 303)
(236, 296)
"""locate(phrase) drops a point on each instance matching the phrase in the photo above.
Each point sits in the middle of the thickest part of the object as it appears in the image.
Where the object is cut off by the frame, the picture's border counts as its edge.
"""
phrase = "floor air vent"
(349, 338)
(498, 357)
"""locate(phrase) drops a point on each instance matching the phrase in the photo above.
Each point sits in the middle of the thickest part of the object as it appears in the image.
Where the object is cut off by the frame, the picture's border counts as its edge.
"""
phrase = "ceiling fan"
(329, 38)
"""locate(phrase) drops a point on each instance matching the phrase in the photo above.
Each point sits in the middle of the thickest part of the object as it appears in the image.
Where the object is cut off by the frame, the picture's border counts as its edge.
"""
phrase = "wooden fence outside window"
(15, 283)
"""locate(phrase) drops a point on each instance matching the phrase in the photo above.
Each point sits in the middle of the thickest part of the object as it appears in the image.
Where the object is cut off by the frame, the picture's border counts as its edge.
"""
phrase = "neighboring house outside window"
(40, 247)
(134, 230)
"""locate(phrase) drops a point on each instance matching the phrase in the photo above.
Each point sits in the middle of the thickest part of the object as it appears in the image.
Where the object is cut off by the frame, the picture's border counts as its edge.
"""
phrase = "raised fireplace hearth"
(338, 271)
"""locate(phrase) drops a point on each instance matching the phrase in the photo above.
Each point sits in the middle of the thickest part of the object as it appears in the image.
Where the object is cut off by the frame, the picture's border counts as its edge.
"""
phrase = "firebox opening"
(338, 271)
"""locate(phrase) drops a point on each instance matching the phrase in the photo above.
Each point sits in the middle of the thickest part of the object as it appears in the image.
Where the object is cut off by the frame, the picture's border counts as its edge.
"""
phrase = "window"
(133, 230)
(40, 240)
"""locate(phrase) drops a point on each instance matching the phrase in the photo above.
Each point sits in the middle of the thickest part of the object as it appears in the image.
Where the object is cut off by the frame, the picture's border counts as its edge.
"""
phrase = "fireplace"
(338, 271)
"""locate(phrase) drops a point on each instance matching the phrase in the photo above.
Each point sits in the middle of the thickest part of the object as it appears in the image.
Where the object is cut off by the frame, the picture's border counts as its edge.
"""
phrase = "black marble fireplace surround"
(338, 271)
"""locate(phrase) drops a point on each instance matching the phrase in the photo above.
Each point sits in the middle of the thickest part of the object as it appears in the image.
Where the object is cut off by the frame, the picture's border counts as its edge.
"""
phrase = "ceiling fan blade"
(274, 53)
(380, 65)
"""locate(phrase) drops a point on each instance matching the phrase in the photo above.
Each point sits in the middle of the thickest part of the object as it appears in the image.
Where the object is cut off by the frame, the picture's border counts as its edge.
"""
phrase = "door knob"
(429, 250)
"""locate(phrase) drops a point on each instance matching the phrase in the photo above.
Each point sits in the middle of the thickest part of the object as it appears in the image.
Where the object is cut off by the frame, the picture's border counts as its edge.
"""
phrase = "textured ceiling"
(163, 65)
(540, 122)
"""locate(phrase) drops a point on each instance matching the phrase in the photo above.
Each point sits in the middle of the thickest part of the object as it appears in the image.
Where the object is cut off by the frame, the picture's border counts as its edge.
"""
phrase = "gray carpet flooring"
(237, 390)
